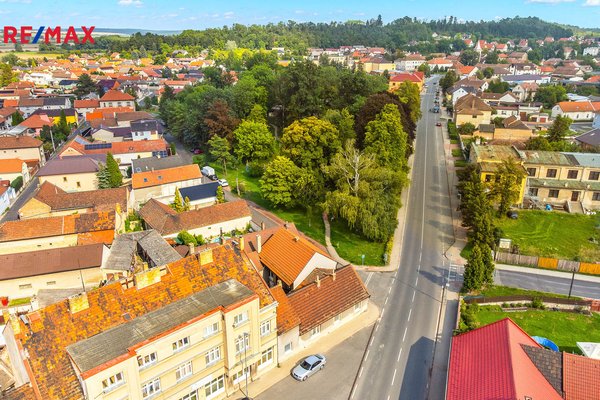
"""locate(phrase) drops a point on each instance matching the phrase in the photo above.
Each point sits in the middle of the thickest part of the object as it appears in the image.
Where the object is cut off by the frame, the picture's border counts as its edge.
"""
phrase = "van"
(208, 171)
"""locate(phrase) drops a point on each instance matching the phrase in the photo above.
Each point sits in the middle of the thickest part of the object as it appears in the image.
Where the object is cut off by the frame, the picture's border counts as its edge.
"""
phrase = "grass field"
(348, 244)
(33, 54)
(498, 290)
(554, 234)
(564, 329)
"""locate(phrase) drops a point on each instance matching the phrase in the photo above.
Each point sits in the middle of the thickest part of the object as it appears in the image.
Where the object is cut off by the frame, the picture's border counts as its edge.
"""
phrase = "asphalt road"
(552, 284)
(22, 198)
(398, 361)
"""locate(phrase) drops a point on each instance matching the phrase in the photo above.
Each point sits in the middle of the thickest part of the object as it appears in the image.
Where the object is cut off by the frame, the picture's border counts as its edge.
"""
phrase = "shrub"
(173, 149)
(256, 169)
(199, 159)
(17, 183)
(537, 303)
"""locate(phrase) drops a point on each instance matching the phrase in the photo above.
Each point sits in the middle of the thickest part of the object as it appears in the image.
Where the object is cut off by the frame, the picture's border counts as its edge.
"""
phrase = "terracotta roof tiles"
(99, 200)
(165, 176)
(116, 95)
(287, 318)
(19, 142)
(581, 377)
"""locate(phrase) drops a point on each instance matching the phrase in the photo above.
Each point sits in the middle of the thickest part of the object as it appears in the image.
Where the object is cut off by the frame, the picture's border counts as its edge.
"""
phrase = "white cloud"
(550, 1)
(136, 3)
(228, 14)
(592, 3)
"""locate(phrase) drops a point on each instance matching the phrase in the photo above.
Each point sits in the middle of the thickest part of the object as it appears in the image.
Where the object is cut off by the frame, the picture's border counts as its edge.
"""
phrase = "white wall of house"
(141, 135)
(575, 116)
(216, 229)
(597, 121)
(287, 344)
(316, 261)
(457, 94)
(163, 193)
(122, 103)
(6, 198)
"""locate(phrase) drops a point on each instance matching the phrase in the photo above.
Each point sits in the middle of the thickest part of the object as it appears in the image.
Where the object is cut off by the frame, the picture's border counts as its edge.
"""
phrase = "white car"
(309, 366)
(223, 182)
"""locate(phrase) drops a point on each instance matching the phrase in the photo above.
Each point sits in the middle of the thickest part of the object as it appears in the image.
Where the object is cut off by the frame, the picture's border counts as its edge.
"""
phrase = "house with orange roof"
(6, 114)
(160, 184)
(576, 110)
(467, 71)
(12, 168)
(26, 148)
(440, 64)
(22, 236)
(397, 79)
(84, 107)
(179, 331)
(35, 123)
(116, 98)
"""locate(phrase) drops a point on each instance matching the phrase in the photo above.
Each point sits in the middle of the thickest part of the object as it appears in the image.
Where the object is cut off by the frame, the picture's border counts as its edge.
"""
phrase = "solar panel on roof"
(81, 140)
(95, 146)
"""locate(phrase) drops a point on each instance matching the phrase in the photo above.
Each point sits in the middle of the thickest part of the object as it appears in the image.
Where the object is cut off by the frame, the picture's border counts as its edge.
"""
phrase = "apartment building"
(195, 330)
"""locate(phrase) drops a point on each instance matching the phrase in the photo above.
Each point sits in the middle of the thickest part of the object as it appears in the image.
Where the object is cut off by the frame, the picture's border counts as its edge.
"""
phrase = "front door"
(574, 196)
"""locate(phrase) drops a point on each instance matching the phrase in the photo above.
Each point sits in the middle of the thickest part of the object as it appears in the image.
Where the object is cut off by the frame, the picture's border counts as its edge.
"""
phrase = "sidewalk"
(322, 345)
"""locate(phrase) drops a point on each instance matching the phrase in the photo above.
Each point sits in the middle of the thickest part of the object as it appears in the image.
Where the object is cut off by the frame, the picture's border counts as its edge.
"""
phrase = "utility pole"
(572, 280)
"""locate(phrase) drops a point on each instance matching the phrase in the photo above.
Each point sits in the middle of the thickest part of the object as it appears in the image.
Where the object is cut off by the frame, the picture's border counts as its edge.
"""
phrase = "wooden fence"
(547, 263)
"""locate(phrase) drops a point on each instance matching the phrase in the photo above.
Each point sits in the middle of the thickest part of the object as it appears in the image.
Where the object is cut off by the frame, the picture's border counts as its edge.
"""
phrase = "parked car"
(208, 171)
(438, 123)
(512, 215)
(309, 366)
(197, 151)
(223, 182)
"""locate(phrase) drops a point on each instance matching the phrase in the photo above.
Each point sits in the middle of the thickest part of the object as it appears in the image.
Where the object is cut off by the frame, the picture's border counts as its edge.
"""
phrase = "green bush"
(17, 183)
(199, 159)
(256, 169)
(538, 303)
(173, 149)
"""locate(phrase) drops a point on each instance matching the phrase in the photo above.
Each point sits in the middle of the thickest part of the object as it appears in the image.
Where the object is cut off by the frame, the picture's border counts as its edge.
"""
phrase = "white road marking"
(353, 390)
(382, 312)
(413, 297)
(386, 300)
(399, 354)
(377, 327)
(417, 280)
(360, 372)
(367, 355)
(409, 313)
(389, 289)
(394, 377)
(369, 278)
(404, 336)
(371, 341)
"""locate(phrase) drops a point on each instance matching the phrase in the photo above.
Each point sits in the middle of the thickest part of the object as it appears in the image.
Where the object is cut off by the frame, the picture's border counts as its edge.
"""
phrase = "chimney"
(296, 238)
(333, 275)
(147, 278)
(258, 244)
(262, 225)
(78, 302)
(318, 281)
(242, 244)
(205, 257)
(192, 248)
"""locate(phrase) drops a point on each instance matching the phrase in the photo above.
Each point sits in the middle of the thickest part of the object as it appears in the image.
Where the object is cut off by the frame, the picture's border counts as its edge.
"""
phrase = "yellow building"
(489, 158)
(195, 330)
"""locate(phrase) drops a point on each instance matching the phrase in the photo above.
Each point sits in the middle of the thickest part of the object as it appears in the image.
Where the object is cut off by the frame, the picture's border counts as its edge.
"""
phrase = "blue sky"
(189, 14)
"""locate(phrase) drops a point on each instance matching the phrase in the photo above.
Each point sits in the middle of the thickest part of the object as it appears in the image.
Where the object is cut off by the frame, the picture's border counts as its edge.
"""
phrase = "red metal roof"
(489, 363)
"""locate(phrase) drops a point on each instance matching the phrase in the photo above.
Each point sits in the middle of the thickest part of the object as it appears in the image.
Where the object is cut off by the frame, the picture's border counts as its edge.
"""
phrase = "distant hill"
(129, 32)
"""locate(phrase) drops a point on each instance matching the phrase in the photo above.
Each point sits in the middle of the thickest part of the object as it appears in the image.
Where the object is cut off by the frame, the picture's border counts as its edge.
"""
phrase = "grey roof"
(524, 78)
(199, 192)
(112, 343)
(586, 159)
(488, 128)
(564, 184)
(69, 165)
(149, 163)
(549, 363)
(55, 101)
(145, 125)
(591, 138)
(69, 112)
(149, 244)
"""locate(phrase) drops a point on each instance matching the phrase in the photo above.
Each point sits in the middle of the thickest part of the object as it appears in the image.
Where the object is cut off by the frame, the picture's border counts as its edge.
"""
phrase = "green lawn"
(348, 244)
(564, 329)
(498, 290)
(19, 302)
(554, 234)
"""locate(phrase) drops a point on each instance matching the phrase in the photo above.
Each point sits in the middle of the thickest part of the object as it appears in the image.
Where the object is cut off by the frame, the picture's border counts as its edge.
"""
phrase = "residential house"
(156, 163)
(210, 222)
(22, 236)
(56, 103)
(439, 64)
(145, 129)
(35, 123)
(410, 62)
(84, 107)
(111, 134)
(458, 93)
(589, 139)
(115, 98)
(515, 366)
(489, 158)
(27, 105)
(472, 109)
(6, 114)
(161, 184)
(200, 195)
(526, 78)
(193, 330)
(25, 148)
(135, 252)
(376, 64)
(596, 123)
(396, 80)
(525, 91)
(55, 115)
(288, 325)
(12, 168)
(51, 201)
(24, 274)
(576, 110)
(125, 151)
(512, 130)
(506, 97)
(72, 173)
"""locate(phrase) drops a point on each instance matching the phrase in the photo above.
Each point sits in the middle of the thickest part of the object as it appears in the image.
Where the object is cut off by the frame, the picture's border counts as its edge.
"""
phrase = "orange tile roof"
(286, 254)
(287, 318)
(37, 121)
(11, 165)
(166, 221)
(163, 176)
(116, 95)
(317, 303)
(86, 104)
(54, 328)
(581, 377)
(57, 226)
(19, 142)
(99, 200)
(129, 147)
(579, 106)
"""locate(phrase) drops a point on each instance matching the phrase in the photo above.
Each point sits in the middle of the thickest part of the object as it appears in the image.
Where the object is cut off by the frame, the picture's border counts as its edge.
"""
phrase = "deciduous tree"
(386, 140)
(220, 150)
(310, 142)
(505, 188)
(279, 184)
(253, 142)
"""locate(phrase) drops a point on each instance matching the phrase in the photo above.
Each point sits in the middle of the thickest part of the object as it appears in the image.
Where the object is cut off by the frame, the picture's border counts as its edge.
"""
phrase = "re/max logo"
(25, 33)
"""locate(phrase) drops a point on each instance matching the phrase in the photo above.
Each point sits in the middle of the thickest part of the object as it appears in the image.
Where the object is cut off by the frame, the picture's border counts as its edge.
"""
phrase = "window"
(181, 343)
(572, 174)
(25, 286)
(151, 388)
(147, 360)
(240, 318)
(265, 328)
(288, 347)
(266, 358)
(594, 175)
(214, 387)
(211, 329)
(337, 318)
(113, 382)
(64, 178)
(551, 173)
(78, 184)
(213, 355)
(488, 177)
(553, 193)
(190, 396)
(242, 343)
(145, 179)
(241, 375)
(533, 192)
(315, 331)
(183, 371)
(596, 196)
(531, 171)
